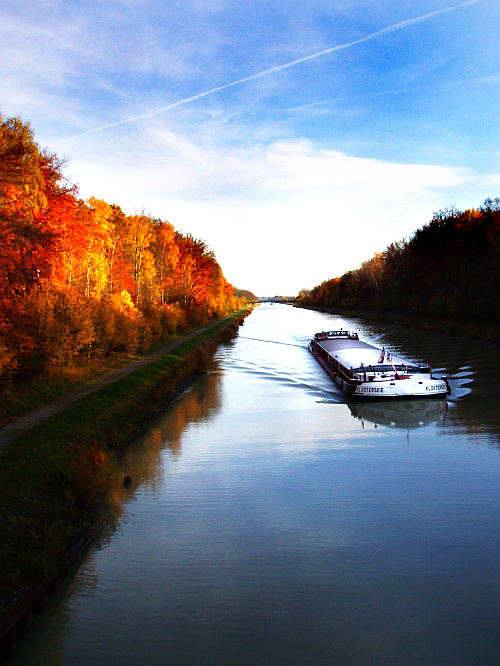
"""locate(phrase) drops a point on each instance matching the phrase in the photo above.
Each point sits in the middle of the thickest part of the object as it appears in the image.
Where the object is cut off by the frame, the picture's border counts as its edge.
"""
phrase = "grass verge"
(53, 478)
(24, 395)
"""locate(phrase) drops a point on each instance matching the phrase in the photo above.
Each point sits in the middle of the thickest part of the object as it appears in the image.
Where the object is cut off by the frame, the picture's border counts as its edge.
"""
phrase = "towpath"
(26, 422)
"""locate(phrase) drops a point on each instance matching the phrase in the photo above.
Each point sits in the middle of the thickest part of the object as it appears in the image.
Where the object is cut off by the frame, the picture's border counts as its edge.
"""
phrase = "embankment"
(54, 477)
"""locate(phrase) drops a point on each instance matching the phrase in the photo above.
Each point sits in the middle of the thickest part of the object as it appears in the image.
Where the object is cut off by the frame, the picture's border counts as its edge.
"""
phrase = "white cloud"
(79, 64)
(279, 216)
(279, 211)
(493, 181)
(494, 78)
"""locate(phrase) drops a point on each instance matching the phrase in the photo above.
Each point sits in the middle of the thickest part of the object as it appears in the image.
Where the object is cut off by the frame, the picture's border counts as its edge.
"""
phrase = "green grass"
(24, 395)
(53, 478)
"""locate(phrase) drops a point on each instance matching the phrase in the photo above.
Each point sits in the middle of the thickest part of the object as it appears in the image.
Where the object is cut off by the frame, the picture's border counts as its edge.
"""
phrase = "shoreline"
(486, 331)
(55, 476)
(25, 422)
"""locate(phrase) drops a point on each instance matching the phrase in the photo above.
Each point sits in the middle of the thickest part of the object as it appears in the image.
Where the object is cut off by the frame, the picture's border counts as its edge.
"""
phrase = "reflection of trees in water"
(199, 404)
(479, 418)
(473, 367)
(142, 460)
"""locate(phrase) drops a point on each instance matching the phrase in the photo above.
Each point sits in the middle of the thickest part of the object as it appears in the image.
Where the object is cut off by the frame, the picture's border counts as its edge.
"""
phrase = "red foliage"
(68, 266)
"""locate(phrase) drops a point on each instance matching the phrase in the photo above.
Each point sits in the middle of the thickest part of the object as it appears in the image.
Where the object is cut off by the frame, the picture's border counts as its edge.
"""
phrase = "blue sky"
(292, 176)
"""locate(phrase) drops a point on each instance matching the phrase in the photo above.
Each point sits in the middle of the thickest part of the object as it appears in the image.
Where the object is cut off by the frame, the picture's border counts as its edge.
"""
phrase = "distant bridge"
(277, 299)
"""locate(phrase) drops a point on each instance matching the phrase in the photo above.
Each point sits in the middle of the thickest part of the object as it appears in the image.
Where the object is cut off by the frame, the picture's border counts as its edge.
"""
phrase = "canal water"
(269, 522)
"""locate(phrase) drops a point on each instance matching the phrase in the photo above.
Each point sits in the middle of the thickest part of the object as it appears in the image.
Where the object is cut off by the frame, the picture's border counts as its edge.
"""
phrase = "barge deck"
(364, 371)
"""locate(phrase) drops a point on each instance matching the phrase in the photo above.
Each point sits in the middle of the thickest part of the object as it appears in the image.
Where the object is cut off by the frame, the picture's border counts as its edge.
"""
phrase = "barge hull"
(379, 386)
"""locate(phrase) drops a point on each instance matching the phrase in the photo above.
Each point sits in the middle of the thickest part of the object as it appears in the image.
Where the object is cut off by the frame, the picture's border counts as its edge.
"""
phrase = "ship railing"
(328, 335)
(406, 369)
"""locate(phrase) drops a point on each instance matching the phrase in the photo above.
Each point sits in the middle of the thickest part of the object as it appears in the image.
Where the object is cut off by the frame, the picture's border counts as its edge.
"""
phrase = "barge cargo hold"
(364, 371)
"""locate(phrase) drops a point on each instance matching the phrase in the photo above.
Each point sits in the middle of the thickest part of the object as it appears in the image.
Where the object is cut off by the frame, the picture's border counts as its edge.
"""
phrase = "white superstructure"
(364, 371)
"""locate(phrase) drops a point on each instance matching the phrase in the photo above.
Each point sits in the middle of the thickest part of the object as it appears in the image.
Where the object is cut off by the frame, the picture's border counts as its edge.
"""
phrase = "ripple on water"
(269, 524)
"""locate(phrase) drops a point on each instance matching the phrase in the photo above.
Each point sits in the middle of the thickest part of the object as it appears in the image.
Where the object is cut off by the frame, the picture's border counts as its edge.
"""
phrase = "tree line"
(80, 279)
(449, 268)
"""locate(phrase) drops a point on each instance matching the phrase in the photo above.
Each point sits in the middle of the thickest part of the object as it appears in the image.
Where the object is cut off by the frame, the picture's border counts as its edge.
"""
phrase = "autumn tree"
(79, 279)
(450, 267)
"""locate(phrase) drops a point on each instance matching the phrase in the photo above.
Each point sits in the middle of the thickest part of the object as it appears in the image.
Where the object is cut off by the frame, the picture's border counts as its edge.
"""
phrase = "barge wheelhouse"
(364, 371)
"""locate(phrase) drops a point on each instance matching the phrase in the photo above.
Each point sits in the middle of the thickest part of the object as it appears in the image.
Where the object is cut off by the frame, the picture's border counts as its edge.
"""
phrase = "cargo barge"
(364, 371)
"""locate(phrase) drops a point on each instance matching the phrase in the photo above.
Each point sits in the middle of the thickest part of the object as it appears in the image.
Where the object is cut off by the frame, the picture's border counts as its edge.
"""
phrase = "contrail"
(278, 68)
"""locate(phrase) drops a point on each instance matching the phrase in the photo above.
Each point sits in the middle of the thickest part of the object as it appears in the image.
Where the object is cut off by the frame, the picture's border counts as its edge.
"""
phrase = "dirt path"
(28, 421)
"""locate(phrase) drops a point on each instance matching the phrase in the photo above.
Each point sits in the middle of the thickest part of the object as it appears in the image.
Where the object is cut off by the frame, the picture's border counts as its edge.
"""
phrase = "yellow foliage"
(122, 302)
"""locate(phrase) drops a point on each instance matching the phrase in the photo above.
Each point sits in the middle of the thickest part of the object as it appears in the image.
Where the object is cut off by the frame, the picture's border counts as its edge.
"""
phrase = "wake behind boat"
(364, 371)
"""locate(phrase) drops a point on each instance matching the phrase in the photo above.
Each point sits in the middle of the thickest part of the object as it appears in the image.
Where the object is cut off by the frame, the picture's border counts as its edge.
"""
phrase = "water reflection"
(406, 414)
(44, 645)
(266, 525)
(472, 366)
(200, 402)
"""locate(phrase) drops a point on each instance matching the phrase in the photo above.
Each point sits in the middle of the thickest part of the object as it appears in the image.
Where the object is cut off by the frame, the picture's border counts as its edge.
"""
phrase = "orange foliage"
(79, 278)
(449, 268)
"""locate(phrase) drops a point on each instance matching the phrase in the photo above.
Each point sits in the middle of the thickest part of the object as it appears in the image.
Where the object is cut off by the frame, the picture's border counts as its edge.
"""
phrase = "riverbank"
(487, 331)
(53, 477)
(361, 533)
(25, 395)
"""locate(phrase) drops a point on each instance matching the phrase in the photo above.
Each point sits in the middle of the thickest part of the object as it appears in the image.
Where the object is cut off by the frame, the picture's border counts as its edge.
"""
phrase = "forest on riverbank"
(449, 269)
(81, 279)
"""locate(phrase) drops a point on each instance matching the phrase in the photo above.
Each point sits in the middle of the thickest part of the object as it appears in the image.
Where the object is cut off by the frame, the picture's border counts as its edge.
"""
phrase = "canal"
(269, 522)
